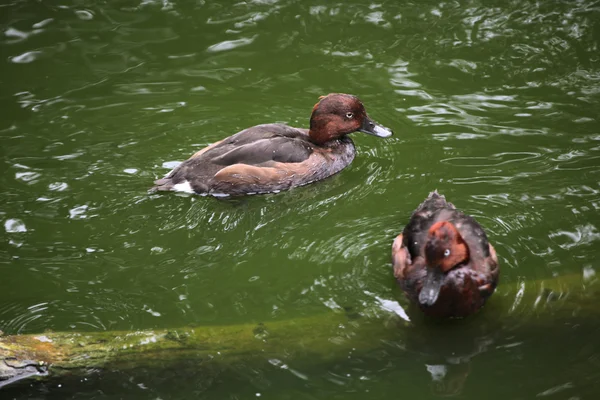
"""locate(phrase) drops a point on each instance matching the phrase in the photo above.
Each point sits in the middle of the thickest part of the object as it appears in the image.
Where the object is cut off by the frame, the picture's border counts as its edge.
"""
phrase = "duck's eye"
(446, 252)
(349, 115)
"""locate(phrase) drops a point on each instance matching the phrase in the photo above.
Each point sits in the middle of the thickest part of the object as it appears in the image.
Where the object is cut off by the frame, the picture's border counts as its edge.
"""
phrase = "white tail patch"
(184, 187)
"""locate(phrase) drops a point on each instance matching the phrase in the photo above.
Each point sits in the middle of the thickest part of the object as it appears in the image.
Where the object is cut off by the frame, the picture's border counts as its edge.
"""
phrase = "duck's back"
(434, 209)
(263, 158)
(257, 145)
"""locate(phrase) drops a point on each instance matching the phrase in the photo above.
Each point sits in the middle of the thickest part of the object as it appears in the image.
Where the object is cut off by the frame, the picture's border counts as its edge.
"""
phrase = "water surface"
(495, 104)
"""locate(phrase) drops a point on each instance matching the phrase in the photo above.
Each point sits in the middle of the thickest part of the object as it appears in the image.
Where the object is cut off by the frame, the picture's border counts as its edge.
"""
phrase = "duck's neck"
(322, 131)
(318, 137)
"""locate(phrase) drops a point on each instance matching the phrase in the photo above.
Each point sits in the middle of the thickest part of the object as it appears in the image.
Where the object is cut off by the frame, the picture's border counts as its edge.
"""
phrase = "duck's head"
(445, 248)
(336, 115)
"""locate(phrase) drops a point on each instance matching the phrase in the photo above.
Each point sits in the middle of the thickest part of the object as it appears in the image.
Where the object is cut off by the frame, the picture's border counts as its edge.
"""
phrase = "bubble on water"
(84, 15)
(230, 44)
(437, 371)
(68, 156)
(43, 23)
(14, 225)
(15, 243)
(130, 170)
(15, 33)
(78, 212)
(58, 186)
(588, 273)
(26, 57)
(27, 176)
(151, 311)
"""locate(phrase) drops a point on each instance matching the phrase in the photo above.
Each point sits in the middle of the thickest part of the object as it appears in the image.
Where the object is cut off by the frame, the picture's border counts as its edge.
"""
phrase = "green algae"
(548, 301)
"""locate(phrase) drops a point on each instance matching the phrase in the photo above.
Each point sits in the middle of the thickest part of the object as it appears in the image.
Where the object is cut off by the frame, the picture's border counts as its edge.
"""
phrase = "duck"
(443, 260)
(270, 158)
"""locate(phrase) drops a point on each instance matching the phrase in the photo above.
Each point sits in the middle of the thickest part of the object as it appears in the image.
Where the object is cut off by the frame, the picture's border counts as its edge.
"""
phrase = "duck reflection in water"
(449, 374)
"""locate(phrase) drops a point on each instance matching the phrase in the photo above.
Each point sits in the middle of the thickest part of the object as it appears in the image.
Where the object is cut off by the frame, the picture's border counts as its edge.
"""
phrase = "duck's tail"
(163, 184)
(436, 200)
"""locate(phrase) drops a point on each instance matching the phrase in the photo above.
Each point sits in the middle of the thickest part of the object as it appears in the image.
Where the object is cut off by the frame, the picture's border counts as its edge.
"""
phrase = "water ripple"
(230, 44)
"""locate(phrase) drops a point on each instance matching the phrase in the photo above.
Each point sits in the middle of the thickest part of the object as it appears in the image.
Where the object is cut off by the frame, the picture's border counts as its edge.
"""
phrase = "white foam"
(393, 306)
(14, 225)
(58, 186)
(183, 187)
(437, 371)
(78, 212)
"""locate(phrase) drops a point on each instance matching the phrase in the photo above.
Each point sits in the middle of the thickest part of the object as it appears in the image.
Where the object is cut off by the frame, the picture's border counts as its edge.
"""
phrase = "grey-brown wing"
(252, 146)
(279, 148)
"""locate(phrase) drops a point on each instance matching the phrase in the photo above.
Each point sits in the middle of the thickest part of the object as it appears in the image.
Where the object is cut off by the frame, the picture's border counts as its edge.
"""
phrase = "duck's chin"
(431, 287)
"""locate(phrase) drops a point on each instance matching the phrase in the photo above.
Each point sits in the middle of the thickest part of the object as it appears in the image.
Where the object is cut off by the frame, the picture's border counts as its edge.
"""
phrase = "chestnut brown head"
(336, 115)
(445, 248)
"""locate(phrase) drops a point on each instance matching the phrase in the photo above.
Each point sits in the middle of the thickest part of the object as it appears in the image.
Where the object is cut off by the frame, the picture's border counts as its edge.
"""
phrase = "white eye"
(349, 115)
(446, 252)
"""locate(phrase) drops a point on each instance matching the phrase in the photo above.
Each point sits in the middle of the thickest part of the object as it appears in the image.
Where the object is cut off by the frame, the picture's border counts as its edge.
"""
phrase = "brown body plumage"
(443, 260)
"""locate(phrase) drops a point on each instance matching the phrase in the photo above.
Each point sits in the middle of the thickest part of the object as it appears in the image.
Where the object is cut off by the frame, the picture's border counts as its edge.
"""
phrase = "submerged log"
(326, 336)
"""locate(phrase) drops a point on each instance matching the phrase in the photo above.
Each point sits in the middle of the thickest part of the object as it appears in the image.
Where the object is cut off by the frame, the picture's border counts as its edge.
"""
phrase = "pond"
(495, 104)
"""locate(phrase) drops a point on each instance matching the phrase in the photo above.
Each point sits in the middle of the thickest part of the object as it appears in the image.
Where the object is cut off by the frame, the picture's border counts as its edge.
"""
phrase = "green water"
(496, 104)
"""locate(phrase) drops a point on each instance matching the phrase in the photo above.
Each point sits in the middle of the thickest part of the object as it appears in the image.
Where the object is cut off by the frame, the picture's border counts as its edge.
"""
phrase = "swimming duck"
(443, 260)
(274, 157)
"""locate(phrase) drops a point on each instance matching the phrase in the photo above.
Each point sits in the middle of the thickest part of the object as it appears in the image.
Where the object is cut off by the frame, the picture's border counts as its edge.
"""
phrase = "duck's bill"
(374, 129)
(431, 287)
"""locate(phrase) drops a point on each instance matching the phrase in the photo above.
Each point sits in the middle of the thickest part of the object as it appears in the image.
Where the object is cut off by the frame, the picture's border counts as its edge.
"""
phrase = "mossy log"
(322, 337)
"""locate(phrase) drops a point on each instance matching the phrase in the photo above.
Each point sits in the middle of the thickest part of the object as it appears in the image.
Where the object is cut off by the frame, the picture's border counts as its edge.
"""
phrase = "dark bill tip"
(431, 287)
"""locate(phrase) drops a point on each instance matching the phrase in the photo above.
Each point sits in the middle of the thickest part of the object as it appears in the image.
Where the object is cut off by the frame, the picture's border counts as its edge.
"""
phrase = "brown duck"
(443, 260)
(274, 157)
